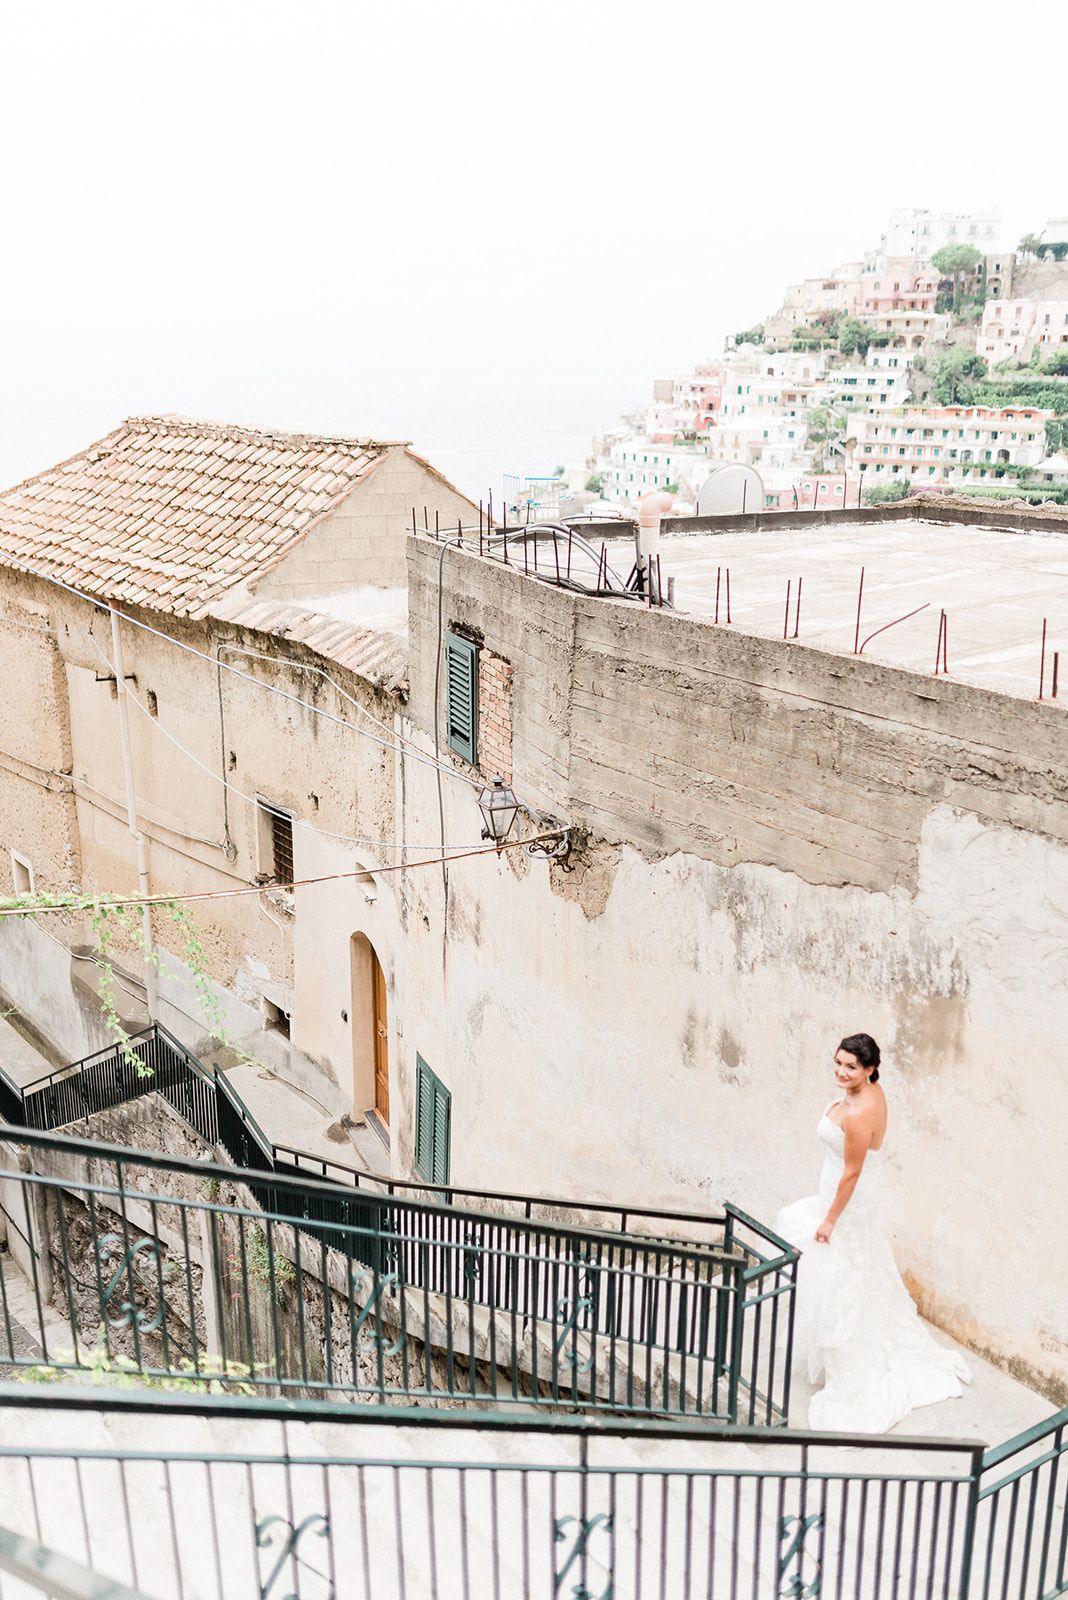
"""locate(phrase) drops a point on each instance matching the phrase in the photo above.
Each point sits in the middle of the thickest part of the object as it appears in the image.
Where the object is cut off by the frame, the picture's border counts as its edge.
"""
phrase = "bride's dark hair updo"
(863, 1046)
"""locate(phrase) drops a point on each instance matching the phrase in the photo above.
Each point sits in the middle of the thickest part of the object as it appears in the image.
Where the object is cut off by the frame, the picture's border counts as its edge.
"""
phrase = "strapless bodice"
(832, 1140)
(832, 1137)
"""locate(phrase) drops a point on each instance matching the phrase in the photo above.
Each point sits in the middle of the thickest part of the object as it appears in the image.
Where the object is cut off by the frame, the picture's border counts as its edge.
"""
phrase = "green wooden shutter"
(424, 1120)
(433, 1125)
(442, 1132)
(461, 696)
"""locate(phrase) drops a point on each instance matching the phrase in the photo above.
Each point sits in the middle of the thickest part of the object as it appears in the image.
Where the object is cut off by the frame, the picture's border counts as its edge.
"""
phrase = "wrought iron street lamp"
(499, 808)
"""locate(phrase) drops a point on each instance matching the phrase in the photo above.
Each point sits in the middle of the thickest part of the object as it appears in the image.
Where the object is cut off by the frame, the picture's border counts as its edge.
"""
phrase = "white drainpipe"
(151, 977)
(651, 507)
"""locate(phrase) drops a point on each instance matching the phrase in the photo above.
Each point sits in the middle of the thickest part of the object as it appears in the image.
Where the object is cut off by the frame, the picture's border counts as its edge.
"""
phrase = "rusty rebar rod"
(1042, 663)
(893, 624)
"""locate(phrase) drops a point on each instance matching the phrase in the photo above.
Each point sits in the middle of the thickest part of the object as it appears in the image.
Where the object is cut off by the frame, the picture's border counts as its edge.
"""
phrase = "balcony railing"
(176, 1267)
(181, 1495)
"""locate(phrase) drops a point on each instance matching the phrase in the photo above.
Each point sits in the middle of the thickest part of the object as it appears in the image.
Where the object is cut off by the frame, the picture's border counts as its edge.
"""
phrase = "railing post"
(970, 1517)
(737, 1307)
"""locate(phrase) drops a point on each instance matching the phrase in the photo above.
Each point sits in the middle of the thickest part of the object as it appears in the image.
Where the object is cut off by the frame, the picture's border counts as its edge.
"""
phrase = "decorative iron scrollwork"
(472, 1259)
(572, 1307)
(266, 1530)
(579, 1551)
(796, 1586)
(129, 1311)
(372, 1334)
(572, 1310)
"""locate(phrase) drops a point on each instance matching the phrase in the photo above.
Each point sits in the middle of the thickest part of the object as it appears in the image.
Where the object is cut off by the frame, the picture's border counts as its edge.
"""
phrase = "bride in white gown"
(856, 1326)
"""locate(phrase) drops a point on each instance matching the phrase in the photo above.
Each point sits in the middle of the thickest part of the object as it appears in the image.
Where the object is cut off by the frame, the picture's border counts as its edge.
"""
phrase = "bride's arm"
(857, 1141)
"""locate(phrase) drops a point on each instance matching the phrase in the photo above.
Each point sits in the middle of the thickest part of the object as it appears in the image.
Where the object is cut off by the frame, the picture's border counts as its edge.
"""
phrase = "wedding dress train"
(856, 1325)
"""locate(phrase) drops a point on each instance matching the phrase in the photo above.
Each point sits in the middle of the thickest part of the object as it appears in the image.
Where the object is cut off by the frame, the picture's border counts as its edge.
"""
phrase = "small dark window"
(282, 846)
(276, 843)
(433, 1125)
(276, 1018)
(461, 696)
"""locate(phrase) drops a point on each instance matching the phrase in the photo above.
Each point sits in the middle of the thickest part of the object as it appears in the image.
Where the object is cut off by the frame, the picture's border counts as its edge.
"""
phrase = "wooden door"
(381, 1039)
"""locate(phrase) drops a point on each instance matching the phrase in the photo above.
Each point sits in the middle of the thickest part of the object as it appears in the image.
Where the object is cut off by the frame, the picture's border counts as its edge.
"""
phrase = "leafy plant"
(208, 1375)
(271, 1271)
(951, 372)
(955, 261)
(856, 337)
(109, 917)
(876, 494)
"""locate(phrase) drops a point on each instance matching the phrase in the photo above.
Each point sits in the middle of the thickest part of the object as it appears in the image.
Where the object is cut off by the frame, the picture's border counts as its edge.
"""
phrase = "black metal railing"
(180, 1495)
(708, 1297)
(187, 1267)
(1021, 1530)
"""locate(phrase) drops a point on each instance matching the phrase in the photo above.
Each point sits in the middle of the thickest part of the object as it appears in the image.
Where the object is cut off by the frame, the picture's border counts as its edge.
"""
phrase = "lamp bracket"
(558, 849)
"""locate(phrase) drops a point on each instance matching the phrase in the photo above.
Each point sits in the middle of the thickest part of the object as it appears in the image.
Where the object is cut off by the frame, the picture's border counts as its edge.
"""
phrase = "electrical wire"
(304, 666)
(233, 788)
(437, 738)
(247, 677)
(298, 883)
(153, 822)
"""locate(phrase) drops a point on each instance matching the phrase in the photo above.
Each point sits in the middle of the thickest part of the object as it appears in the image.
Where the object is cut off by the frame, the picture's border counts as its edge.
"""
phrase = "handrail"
(445, 1190)
(142, 1036)
(173, 1403)
(682, 1250)
(272, 1152)
(55, 1575)
(1041, 1430)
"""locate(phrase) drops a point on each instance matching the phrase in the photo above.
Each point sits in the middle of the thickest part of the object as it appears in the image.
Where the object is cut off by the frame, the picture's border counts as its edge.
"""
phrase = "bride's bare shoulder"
(867, 1112)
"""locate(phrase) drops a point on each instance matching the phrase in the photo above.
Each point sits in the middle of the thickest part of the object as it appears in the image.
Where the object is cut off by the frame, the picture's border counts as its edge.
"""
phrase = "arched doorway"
(370, 1032)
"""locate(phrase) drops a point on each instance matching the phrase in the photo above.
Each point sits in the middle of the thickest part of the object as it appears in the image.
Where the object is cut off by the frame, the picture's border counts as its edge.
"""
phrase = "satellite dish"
(731, 489)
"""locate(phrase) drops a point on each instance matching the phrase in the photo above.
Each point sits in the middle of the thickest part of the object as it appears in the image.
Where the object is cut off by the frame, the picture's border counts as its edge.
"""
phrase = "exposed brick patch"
(494, 716)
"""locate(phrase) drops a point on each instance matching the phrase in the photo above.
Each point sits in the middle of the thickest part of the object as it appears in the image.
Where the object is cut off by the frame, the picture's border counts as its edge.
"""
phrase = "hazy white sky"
(484, 227)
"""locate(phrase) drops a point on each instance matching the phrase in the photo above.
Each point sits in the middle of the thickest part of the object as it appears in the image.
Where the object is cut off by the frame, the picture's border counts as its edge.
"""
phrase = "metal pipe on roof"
(651, 508)
(1042, 663)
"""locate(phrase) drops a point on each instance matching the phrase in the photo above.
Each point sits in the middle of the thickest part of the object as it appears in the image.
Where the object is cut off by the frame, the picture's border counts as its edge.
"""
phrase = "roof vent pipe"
(651, 507)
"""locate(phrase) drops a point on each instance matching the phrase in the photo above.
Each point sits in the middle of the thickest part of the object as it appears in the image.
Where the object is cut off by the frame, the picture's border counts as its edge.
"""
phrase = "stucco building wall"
(363, 542)
(338, 785)
(781, 846)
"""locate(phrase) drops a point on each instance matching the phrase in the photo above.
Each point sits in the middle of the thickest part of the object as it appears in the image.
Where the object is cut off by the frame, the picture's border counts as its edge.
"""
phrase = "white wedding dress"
(856, 1325)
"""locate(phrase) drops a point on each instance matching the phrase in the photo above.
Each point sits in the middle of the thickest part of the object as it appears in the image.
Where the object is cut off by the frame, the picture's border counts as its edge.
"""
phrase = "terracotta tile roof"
(379, 656)
(172, 513)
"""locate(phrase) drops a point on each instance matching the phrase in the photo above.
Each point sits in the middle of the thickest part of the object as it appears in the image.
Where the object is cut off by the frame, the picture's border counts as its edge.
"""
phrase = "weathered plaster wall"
(36, 804)
(815, 846)
(338, 785)
(364, 541)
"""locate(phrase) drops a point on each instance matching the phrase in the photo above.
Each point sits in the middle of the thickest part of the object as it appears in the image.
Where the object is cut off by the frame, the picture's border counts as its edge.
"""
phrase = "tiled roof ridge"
(194, 427)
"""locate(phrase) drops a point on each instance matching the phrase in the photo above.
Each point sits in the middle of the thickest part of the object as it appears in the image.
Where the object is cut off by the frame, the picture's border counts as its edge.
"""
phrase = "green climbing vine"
(110, 919)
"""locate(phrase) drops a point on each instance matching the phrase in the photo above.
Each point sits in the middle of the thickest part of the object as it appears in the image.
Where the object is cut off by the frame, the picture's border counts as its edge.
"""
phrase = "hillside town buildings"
(818, 386)
(1016, 330)
(913, 232)
(947, 444)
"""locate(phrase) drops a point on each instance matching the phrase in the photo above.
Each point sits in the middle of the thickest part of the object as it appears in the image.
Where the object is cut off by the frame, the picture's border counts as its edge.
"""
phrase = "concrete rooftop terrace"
(996, 585)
